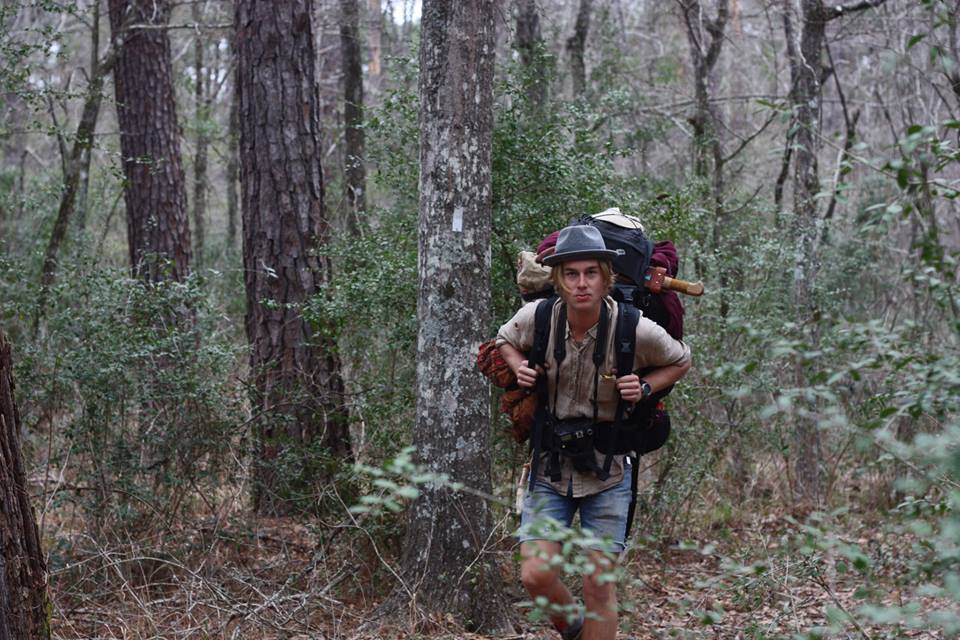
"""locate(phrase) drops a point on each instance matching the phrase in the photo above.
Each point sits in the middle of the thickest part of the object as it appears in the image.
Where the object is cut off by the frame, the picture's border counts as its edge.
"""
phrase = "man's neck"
(582, 321)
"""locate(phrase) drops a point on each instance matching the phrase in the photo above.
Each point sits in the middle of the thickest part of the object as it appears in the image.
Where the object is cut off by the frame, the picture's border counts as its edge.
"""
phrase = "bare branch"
(61, 141)
(842, 10)
(750, 138)
(189, 26)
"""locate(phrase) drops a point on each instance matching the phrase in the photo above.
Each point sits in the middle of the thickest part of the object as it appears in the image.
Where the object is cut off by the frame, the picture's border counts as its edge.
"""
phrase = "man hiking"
(573, 464)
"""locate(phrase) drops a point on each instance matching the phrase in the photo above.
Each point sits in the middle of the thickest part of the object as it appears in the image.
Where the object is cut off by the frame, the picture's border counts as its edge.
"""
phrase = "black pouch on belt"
(576, 440)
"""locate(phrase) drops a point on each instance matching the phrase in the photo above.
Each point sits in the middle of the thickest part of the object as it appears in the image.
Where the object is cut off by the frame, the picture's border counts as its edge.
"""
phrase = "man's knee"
(598, 589)
(536, 574)
(600, 586)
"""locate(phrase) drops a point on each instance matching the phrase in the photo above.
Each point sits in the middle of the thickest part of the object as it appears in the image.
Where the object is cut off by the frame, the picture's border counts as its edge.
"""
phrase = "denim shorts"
(547, 515)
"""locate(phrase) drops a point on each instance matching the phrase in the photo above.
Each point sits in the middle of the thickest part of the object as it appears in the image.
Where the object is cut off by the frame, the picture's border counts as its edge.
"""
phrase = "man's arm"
(658, 379)
(655, 347)
(526, 377)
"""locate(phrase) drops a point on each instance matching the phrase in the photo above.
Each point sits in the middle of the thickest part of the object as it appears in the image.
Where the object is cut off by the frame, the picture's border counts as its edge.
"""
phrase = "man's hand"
(527, 377)
(629, 387)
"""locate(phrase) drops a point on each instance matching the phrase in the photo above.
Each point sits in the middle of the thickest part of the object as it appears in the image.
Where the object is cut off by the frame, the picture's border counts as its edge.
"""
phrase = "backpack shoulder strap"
(628, 316)
(626, 343)
(541, 331)
(537, 357)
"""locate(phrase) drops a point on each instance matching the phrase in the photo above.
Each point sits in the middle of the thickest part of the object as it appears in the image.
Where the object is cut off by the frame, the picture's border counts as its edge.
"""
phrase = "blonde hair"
(606, 270)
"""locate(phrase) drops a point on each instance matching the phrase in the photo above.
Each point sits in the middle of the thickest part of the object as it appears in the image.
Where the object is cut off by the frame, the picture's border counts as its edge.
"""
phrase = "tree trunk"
(450, 563)
(374, 41)
(86, 157)
(355, 174)
(298, 390)
(576, 45)
(233, 158)
(328, 67)
(805, 98)
(24, 606)
(201, 113)
(529, 44)
(705, 37)
(77, 164)
(155, 188)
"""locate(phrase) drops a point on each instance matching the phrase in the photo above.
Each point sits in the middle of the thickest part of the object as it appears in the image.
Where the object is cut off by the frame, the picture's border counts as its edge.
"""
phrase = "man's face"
(585, 282)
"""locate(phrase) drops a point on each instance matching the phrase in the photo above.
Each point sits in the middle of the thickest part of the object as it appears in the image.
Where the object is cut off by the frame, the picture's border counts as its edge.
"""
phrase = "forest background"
(218, 383)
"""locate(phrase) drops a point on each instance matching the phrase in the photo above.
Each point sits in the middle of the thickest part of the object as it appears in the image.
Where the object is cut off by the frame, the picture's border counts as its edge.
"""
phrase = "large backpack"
(626, 235)
(637, 253)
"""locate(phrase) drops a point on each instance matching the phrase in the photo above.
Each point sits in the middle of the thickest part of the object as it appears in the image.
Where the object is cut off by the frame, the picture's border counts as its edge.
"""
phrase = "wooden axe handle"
(657, 280)
(689, 288)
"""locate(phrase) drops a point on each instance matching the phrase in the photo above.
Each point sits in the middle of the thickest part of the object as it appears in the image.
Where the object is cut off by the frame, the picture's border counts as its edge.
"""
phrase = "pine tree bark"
(355, 174)
(298, 389)
(155, 190)
(24, 605)
(449, 562)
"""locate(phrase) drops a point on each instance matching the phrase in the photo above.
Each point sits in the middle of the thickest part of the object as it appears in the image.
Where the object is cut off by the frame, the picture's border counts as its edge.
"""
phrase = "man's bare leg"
(600, 600)
(540, 579)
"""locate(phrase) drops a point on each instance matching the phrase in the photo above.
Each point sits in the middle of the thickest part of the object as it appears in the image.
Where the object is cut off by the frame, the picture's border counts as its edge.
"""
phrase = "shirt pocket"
(607, 390)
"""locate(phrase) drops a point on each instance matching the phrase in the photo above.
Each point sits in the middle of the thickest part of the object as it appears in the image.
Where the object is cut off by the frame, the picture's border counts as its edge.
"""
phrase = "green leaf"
(915, 39)
(903, 178)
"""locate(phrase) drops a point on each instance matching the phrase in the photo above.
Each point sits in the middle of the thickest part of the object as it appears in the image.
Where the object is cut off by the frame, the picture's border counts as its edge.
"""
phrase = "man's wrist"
(645, 389)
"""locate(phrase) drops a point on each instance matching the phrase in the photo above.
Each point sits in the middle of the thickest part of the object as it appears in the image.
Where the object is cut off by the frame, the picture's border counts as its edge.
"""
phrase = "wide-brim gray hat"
(579, 242)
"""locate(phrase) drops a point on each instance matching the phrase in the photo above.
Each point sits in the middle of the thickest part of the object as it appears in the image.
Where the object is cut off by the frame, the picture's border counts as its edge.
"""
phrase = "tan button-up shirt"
(574, 396)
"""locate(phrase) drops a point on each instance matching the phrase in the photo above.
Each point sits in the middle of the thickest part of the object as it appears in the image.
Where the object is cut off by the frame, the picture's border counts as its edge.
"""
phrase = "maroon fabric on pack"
(665, 255)
(549, 241)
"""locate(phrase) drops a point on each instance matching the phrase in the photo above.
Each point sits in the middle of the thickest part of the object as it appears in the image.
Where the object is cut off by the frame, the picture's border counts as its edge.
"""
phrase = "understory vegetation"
(135, 398)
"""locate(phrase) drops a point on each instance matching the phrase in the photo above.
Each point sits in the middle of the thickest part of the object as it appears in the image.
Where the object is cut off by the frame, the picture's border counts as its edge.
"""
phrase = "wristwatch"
(645, 390)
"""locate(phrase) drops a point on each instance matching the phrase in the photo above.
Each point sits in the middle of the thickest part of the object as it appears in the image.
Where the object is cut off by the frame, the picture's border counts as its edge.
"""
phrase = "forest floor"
(282, 579)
